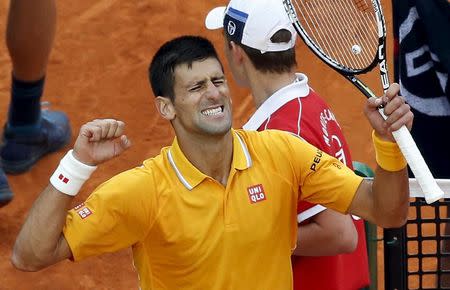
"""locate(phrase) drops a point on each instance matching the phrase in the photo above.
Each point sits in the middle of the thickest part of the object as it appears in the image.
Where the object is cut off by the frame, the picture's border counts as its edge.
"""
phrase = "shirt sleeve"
(323, 179)
(116, 215)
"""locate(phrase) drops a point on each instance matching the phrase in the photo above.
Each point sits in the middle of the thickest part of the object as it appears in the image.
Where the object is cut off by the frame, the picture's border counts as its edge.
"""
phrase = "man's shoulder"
(158, 160)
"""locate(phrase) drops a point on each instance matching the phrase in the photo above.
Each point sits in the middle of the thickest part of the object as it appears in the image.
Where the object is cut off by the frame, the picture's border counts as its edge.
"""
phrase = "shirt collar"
(297, 89)
(190, 176)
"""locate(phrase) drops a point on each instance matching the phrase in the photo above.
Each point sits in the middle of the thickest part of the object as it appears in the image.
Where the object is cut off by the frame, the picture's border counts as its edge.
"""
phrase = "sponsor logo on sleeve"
(316, 160)
(337, 165)
(256, 193)
(84, 212)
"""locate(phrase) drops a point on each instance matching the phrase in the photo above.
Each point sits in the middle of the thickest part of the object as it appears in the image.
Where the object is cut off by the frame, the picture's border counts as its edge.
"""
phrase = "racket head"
(348, 35)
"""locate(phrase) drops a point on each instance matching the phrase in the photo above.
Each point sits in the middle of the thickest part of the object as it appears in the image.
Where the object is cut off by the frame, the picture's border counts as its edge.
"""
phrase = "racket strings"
(361, 5)
(345, 30)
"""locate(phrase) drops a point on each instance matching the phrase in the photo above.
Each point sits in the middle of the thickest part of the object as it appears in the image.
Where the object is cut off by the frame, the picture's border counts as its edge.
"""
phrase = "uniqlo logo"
(256, 193)
(63, 178)
(84, 213)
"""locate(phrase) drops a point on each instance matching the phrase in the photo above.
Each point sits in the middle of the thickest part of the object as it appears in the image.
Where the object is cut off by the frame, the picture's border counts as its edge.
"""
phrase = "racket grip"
(422, 173)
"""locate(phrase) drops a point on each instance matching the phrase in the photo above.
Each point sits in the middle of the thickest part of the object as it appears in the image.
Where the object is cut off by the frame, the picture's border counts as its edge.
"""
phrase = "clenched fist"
(100, 140)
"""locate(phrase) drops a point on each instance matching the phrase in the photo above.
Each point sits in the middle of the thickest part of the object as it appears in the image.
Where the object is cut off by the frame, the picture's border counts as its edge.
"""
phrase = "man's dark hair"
(181, 50)
(274, 62)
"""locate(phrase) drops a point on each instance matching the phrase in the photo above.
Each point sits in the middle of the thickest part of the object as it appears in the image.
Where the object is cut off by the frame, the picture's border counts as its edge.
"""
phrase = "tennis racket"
(350, 37)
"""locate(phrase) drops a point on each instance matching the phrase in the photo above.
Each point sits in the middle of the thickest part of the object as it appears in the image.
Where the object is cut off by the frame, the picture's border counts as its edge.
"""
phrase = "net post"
(395, 261)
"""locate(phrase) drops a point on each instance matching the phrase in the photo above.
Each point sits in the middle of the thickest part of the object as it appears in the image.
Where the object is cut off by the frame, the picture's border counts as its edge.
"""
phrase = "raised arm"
(385, 201)
(40, 242)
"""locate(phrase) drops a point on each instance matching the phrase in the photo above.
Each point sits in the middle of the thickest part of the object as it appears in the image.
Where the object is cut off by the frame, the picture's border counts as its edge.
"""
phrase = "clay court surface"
(98, 69)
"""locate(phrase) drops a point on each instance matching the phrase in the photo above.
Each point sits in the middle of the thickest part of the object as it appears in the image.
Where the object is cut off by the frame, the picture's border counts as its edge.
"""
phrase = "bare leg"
(29, 36)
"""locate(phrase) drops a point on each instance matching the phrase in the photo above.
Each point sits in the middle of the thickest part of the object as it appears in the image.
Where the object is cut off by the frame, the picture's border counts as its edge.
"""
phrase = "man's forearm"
(40, 242)
(385, 200)
(390, 192)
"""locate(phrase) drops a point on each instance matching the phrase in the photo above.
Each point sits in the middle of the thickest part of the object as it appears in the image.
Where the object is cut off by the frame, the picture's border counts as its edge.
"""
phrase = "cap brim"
(214, 19)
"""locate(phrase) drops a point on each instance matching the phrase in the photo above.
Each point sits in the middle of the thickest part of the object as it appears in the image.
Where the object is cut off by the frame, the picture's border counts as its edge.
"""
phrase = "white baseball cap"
(253, 22)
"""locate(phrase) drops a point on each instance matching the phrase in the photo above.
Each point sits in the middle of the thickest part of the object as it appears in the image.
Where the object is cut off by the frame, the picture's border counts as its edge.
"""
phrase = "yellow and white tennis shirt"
(188, 231)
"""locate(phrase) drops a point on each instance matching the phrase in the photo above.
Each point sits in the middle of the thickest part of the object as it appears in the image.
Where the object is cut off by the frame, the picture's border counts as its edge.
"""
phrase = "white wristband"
(71, 174)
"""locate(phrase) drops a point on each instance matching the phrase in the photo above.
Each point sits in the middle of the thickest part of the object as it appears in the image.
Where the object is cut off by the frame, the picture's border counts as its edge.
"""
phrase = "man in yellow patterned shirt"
(217, 208)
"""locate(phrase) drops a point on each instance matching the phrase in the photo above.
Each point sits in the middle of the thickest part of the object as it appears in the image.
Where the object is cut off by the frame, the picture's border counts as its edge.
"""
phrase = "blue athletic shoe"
(6, 194)
(21, 150)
